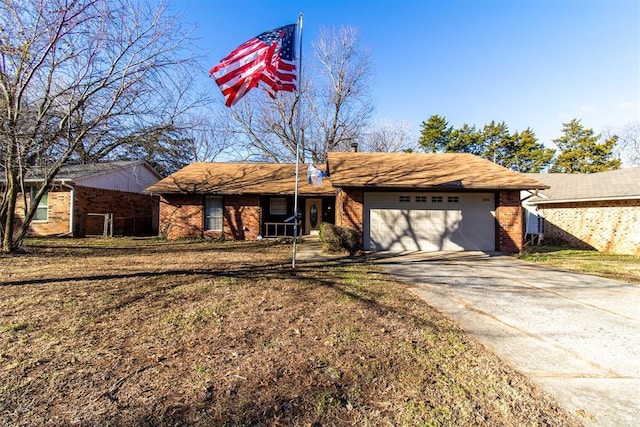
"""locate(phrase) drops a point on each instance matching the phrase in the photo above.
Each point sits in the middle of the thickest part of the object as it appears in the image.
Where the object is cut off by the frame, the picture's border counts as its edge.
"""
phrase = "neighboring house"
(399, 202)
(598, 211)
(93, 199)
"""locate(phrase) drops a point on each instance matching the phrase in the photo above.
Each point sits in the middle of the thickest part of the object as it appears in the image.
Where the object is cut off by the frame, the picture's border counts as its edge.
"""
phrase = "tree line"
(580, 150)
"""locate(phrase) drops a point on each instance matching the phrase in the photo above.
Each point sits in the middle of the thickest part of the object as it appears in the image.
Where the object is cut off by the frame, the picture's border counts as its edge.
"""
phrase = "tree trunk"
(11, 193)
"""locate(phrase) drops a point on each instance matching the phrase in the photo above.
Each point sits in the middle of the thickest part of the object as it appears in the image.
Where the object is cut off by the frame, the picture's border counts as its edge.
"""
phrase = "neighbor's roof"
(239, 178)
(611, 185)
(428, 171)
(72, 173)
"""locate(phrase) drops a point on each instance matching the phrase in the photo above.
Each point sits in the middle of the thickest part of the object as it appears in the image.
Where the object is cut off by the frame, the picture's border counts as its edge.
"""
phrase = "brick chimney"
(354, 147)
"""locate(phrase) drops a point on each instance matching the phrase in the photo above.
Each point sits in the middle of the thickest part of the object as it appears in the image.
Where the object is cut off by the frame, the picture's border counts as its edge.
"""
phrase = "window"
(42, 211)
(213, 214)
(405, 199)
(421, 199)
(453, 199)
(278, 206)
(436, 199)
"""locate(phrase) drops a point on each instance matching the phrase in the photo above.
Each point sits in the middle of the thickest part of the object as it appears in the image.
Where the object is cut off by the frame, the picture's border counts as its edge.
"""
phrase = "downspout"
(71, 206)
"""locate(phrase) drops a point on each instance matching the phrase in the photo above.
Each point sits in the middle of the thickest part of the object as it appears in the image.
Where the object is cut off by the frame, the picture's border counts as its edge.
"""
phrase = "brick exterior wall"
(181, 216)
(242, 217)
(610, 226)
(132, 212)
(509, 232)
(57, 222)
(350, 208)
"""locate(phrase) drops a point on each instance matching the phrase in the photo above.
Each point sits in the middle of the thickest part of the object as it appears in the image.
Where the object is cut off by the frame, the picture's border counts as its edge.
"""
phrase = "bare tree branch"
(79, 79)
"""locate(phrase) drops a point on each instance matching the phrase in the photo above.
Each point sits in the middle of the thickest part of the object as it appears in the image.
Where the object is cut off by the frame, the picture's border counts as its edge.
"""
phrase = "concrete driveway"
(576, 336)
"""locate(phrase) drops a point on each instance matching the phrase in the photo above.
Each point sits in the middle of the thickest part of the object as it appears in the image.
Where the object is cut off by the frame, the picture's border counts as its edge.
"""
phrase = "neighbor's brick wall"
(181, 216)
(612, 228)
(350, 208)
(509, 221)
(58, 216)
(242, 217)
(124, 206)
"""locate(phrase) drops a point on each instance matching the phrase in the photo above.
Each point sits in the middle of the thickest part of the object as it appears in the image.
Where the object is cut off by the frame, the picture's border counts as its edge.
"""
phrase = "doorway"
(313, 216)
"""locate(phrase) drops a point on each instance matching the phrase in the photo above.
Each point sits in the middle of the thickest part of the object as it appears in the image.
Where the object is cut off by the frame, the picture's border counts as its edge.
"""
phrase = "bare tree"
(267, 128)
(628, 147)
(335, 105)
(209, 134)
(78, 79)
(342, 106)
(391, 137)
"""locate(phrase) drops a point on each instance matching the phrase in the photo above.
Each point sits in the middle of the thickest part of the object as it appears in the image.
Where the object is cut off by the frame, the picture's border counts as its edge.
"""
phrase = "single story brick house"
(597, 211)
(91, 199)
(397, 201)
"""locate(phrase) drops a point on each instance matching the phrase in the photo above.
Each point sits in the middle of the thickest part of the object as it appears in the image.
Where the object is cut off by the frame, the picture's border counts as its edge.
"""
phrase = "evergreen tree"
(580, 151)
(528, 155)
(467, 139)
(497, 143)
(435, 135)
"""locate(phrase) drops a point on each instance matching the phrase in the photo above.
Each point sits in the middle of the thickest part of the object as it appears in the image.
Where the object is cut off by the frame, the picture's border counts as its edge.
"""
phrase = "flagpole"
(298, 134)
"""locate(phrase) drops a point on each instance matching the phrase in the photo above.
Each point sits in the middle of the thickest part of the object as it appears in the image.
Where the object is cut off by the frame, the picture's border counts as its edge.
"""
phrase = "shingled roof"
(424, 171)
(239, 178)
(611, 185)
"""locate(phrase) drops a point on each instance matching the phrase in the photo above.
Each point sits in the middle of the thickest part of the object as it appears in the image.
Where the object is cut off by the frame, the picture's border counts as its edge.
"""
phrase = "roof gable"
(429, 170)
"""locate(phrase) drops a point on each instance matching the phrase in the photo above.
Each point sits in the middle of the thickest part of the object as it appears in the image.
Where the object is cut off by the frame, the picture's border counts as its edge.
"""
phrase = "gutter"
(71, 205)
(588, 199)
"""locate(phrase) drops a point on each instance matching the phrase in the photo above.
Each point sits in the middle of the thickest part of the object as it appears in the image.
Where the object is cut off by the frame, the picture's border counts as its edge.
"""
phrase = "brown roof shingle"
(239, 178)
(428, 171)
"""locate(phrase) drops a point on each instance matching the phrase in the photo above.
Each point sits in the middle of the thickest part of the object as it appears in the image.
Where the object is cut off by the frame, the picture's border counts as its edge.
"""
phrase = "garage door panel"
(460, 222)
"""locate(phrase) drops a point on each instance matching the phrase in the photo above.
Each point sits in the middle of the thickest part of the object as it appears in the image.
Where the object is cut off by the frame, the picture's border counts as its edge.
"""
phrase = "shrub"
(339, 239)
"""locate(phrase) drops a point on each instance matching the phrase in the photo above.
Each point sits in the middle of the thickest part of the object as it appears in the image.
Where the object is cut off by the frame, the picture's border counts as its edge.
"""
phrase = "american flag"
(266, 60)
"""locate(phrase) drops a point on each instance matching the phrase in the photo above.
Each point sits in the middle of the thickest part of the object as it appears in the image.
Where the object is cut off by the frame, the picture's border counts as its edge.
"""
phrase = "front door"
(313, 216)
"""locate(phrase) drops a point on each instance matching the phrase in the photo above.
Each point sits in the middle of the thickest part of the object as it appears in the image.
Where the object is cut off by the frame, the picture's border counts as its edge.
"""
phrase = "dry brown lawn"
(126, 332)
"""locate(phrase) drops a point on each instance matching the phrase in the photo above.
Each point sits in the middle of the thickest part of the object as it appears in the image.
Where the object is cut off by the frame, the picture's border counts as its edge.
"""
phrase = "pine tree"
(529, 155)
(580, 151)
(435, 135)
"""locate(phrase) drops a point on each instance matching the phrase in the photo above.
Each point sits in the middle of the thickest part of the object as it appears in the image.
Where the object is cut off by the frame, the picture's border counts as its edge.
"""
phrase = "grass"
(619, 267)
(125, 332)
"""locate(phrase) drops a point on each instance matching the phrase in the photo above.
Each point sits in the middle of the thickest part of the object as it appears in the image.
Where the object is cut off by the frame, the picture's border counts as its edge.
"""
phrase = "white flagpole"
(298, 134)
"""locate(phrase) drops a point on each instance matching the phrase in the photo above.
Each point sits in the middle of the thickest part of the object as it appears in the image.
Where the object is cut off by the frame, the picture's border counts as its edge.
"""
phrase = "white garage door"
(429, 221)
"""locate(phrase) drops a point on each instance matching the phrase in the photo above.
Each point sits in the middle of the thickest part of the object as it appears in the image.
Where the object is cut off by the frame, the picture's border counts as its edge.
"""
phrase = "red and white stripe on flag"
(266, 60)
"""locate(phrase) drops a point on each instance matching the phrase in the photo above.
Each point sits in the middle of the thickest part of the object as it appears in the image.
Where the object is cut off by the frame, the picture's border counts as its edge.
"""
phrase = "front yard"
(126, 332)
(619, 267)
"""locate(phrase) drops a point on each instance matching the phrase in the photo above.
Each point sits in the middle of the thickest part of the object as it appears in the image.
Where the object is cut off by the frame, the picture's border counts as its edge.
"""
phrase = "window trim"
(41, 207)
(214, 216)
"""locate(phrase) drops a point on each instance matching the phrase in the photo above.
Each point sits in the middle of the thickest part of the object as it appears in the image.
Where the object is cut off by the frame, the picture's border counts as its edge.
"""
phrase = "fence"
(106, 225)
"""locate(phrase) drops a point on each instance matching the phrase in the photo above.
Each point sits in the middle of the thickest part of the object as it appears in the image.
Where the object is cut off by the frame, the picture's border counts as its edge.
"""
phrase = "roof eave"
(439, 187)
(584, 199)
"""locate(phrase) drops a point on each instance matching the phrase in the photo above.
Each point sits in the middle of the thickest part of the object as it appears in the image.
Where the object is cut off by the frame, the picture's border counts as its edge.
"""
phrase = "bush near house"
(337, 239)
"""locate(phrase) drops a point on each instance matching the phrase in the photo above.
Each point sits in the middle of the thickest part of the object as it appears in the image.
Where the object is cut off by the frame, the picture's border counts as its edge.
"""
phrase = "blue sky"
(532, 64)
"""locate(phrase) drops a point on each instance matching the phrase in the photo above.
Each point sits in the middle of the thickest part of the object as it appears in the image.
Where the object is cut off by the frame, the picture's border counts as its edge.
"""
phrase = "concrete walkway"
(576, 336)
